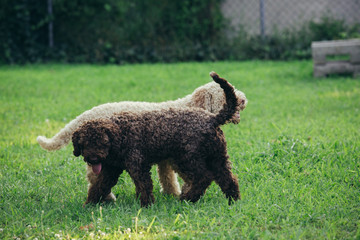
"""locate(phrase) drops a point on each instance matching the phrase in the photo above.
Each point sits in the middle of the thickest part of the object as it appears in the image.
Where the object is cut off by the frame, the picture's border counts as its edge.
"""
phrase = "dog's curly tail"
(60, 140)
(231, 104)
(63, 137)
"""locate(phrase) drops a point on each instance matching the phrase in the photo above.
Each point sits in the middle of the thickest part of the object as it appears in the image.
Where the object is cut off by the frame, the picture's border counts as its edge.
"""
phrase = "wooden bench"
(334, 57)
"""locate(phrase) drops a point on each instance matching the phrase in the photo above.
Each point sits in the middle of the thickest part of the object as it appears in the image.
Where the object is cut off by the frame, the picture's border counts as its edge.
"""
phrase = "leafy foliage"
(292, 44)
(112, 31)
(120, 31)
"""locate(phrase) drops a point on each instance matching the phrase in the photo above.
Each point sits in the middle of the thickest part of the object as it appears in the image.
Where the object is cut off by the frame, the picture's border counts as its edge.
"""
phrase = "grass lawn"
(296, 153)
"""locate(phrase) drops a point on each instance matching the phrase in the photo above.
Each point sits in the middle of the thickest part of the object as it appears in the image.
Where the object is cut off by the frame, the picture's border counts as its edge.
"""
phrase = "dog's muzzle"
(95, 165)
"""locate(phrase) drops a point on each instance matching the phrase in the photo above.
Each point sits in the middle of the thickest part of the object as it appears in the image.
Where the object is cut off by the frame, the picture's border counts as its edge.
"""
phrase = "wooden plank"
(336, 68)
(324, 66)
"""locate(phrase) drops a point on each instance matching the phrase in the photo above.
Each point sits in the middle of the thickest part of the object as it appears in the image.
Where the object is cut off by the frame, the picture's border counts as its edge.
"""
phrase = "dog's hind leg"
(168, 179)
(220, 166)
(197, 179)
(227, 181)
(197, 188)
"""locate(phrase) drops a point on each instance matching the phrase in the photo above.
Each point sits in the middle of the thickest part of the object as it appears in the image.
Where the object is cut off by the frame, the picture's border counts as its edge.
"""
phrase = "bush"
(112, 31)
(120, 31)
(23, 35)
(292, 44)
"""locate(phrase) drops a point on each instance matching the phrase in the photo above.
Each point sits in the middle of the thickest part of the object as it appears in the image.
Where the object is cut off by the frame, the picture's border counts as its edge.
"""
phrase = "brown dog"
(190, 137)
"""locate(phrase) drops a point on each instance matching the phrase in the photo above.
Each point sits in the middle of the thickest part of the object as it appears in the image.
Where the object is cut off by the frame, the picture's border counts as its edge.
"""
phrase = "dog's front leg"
(143, 183)
(92, 179)
(101, 188)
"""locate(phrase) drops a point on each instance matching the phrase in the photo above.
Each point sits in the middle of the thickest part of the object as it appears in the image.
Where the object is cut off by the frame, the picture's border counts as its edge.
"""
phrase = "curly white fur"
(209, 97)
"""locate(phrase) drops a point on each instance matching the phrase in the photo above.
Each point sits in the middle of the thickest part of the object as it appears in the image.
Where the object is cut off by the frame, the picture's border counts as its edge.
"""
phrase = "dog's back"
(164, 132)
(167, 132)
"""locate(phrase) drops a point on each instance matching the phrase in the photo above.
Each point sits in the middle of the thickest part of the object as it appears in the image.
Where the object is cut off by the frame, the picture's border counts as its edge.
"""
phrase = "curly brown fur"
(191, 138)
(209, 97)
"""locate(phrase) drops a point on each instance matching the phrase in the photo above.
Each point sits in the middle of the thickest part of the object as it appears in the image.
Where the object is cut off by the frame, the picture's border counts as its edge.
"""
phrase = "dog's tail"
(63, 137)
(231, 104)
(60, 140)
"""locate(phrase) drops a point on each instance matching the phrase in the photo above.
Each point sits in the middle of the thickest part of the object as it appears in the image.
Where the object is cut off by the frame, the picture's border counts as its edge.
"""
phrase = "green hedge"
(111, 31)
(121, 31)
(23, 30)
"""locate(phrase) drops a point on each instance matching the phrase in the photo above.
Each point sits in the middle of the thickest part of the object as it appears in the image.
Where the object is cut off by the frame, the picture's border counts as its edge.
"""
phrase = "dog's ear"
(76, 143)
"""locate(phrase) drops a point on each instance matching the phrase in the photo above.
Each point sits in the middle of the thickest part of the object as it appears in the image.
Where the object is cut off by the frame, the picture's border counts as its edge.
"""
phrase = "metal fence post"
(262, 19)
(51, 35)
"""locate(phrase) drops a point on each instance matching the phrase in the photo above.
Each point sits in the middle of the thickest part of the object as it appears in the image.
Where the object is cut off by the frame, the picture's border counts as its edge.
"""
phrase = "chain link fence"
(268, 17)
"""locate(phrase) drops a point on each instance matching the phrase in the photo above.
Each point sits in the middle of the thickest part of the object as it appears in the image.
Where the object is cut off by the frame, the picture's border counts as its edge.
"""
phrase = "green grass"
(296, 153)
